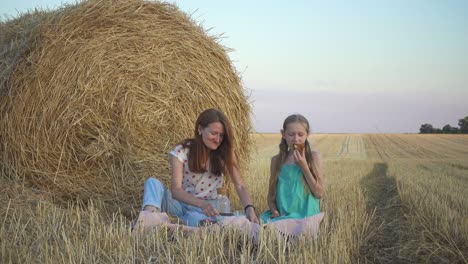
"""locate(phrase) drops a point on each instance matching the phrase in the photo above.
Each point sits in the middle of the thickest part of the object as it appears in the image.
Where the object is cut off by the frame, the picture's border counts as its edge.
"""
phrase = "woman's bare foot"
(148, 219)
(151, 209)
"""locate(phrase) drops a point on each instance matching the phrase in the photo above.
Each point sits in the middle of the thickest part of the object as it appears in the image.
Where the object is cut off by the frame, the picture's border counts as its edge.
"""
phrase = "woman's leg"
(193, 215)
(157, 200)
(192, 218)
(156, 197)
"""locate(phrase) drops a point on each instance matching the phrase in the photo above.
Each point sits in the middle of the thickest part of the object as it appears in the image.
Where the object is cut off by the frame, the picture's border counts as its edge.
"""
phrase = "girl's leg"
(156, 195)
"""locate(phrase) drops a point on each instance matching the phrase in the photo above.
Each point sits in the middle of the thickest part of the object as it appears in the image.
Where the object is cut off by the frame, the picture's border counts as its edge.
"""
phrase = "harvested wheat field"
(389, 199)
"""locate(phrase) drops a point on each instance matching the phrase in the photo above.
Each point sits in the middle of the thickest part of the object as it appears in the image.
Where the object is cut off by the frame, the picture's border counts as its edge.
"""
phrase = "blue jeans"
(157, 195)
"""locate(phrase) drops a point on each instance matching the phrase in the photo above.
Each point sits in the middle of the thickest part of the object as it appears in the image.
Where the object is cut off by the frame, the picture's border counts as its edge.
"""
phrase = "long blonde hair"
(283, 152)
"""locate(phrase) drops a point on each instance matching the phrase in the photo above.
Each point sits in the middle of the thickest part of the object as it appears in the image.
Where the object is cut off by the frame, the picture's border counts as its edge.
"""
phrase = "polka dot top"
(200, 185)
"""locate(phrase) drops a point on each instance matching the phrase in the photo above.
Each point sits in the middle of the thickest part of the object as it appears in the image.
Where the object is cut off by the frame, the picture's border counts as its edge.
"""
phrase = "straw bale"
(94, 95)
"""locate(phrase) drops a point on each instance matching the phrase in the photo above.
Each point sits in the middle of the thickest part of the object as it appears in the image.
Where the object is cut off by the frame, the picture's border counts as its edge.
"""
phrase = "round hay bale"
(94, 95)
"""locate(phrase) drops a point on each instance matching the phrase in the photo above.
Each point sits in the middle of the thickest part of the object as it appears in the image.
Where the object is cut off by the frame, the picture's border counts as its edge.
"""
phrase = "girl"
(198, 168)
(296, 181)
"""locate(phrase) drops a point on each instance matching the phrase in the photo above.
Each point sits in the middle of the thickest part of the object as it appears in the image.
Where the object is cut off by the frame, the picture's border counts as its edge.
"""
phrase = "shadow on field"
(388, 226)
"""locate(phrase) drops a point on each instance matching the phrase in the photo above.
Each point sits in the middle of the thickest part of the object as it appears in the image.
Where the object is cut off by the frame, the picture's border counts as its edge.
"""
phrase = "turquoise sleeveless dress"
(292, 199)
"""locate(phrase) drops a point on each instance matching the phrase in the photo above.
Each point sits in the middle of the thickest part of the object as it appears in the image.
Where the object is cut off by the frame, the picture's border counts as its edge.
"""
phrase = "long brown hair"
(283, 151)
(222, 159)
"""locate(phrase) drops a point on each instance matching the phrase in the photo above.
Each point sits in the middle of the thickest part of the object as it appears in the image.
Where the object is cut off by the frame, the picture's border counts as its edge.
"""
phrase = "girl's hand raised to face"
(300, 159)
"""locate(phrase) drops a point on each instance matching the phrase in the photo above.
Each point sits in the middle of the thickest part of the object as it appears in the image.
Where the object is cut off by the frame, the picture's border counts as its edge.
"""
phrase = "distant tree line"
(447, 129)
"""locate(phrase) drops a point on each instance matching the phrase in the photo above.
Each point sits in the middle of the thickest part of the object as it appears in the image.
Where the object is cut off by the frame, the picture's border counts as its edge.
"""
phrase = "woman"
(199, 166)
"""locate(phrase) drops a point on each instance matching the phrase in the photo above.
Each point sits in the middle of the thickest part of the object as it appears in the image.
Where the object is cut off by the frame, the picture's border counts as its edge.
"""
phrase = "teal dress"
(292, 199)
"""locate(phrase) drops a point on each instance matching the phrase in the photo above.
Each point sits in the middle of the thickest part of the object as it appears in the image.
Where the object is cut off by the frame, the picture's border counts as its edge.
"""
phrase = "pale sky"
(348, 66)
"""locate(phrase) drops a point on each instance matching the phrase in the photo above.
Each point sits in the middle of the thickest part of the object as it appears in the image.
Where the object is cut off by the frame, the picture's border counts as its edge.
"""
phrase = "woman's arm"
(315, 185)
(243, 194)
(180, 194)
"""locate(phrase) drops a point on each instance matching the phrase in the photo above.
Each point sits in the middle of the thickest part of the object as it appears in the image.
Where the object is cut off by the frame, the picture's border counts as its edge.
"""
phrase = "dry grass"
(402, 209)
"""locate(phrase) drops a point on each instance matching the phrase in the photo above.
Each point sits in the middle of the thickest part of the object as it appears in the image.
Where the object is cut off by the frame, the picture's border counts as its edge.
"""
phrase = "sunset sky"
(348, 66)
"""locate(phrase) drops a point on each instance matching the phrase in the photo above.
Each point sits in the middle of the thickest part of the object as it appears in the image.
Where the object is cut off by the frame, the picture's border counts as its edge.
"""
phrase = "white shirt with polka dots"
(200, 185)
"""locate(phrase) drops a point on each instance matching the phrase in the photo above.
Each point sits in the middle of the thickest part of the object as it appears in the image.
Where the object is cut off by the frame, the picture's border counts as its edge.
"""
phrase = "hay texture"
(94, 95)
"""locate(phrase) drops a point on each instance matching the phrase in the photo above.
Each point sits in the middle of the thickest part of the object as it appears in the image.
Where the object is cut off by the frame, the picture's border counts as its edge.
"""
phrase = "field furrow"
(352, 148)
(450, 146)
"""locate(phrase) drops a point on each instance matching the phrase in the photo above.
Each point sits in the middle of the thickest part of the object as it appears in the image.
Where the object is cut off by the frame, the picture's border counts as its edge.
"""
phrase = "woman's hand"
(250, 214)
(275, 214)
(209, 209)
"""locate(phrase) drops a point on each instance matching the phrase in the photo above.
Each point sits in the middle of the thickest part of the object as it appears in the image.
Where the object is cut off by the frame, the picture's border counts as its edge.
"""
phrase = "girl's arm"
(271, 198)
(315, 185)
(180, 194)
(243, 194)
